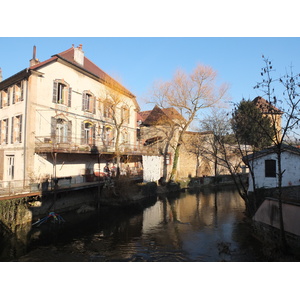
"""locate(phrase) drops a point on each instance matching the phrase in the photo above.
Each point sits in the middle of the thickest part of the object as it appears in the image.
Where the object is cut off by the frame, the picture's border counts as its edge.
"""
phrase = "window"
(17, 92)
(88, 102)
(16, 129)
(270, 168)
(10, 167)
(125, 114)
(107, 136)
(124, 138)
(4, 131)
(107, 110)
(61, 130)
(61, 93)
(88, 133)
(4, 98)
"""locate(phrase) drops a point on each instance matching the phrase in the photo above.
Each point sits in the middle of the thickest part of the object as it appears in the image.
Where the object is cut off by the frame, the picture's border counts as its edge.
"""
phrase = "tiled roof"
(160, 115)
(273, 149)
(265, 106)
(88, 65)
(142, 115)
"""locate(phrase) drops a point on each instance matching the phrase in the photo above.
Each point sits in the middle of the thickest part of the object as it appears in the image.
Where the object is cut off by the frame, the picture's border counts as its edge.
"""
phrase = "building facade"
(265, 167)
(65, 117)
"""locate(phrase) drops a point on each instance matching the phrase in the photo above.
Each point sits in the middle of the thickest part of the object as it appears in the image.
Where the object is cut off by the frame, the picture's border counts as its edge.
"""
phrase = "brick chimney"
(79, 55)
(34, 60)
(1, 75)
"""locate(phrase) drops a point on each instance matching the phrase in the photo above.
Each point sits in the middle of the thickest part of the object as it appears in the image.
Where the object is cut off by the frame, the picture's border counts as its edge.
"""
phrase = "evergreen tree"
(250, 125)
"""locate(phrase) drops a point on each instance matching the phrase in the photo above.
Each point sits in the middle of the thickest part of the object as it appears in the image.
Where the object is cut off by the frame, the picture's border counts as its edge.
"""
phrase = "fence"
(10, 188)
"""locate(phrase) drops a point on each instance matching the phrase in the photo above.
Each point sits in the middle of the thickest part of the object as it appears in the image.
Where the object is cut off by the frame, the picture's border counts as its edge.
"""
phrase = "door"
(10, 167)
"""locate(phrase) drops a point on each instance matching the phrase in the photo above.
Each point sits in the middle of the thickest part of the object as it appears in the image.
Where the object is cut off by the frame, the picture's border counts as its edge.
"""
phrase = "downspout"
(25, 132)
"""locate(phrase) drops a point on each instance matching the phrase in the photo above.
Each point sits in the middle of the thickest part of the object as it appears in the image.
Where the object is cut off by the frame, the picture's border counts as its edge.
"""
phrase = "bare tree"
(282, 92)
(219, 124)
(188, 93)
(117, 104)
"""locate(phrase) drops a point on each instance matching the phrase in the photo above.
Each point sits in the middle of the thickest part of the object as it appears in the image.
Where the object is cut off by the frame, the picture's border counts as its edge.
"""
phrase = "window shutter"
(6, 131)
(94, 105)
(0, 99)
(14, 95)
(8, 96)
(22, 91)
(83, 101)
(55, 87)
(82, 133)
(69, 131)
(69, 97)
(20, 128)
(53, 129)
(94, 134)
(12, 131)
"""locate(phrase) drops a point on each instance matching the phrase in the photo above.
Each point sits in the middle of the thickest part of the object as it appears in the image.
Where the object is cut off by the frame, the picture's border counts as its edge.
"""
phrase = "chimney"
(34, 60)
(1, 75)
(79, 55)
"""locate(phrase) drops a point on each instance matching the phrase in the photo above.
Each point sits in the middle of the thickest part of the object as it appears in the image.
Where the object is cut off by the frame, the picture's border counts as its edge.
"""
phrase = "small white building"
(265, 167)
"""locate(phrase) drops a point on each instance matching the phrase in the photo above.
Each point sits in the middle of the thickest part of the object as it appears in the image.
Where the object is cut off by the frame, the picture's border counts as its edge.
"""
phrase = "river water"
(204, 226)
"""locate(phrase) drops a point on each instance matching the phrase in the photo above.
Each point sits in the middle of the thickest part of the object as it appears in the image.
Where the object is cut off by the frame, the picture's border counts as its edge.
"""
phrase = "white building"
(265, 168)
(59, 118)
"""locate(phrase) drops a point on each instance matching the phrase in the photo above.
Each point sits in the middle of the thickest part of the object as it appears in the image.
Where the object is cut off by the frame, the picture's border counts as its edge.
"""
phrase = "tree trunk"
(175, 163)
(283, 242)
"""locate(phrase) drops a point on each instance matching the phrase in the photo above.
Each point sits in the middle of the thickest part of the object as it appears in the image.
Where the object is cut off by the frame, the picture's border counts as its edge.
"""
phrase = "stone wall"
(14, 212)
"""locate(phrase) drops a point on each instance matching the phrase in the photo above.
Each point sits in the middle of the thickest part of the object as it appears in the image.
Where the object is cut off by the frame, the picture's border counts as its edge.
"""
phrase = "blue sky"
(138, 61)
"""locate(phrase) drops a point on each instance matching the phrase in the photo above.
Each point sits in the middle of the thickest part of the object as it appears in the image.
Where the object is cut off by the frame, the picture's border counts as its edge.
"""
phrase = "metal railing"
(76, 145)
(14, 187)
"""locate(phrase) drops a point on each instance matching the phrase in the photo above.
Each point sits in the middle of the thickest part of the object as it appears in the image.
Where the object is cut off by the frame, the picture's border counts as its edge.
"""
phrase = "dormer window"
(61, 93)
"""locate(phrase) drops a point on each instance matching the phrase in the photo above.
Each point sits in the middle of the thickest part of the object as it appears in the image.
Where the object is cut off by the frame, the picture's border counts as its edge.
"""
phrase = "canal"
(203, 226)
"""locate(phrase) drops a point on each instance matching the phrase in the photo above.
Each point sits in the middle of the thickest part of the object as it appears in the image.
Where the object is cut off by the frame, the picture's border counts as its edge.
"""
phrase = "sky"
(137, 62)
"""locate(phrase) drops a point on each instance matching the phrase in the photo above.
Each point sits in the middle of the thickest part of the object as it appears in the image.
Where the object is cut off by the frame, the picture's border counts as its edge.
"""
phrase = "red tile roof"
(161, 115)
(142, 115)
(88, 65)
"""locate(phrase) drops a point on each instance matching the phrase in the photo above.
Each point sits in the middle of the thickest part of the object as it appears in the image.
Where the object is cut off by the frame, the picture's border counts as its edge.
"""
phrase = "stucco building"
(65, 117)
(265, 167)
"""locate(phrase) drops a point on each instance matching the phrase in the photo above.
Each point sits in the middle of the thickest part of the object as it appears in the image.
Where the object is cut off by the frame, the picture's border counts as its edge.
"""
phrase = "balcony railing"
(45, 144)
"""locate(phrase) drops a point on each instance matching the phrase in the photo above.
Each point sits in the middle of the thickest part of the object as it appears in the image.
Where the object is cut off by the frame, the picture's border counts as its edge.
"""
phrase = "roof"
(88, 67)
(265, 106)
(161, 115)
(270, 150)
(142, 115)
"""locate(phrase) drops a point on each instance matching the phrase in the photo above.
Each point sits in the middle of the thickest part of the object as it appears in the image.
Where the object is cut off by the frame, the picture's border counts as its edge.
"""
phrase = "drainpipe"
(25, 133)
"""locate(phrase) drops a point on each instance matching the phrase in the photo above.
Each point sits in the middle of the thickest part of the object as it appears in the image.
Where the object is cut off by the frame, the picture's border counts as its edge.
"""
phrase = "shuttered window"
(88, 102)
(16, 129)
(88, 133)
(61, 130)
(5, 131)
(62, 93)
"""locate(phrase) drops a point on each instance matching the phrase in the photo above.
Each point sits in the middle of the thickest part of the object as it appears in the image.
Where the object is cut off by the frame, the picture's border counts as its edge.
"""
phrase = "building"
(272, 112)
(159, 129)
(65, 117)
(265, 168)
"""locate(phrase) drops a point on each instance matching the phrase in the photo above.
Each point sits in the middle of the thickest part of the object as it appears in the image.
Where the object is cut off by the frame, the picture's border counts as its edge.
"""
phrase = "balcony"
(46, 144)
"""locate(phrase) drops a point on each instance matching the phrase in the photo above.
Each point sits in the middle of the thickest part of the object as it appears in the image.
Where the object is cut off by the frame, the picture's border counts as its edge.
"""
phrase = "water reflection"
(202, 226)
